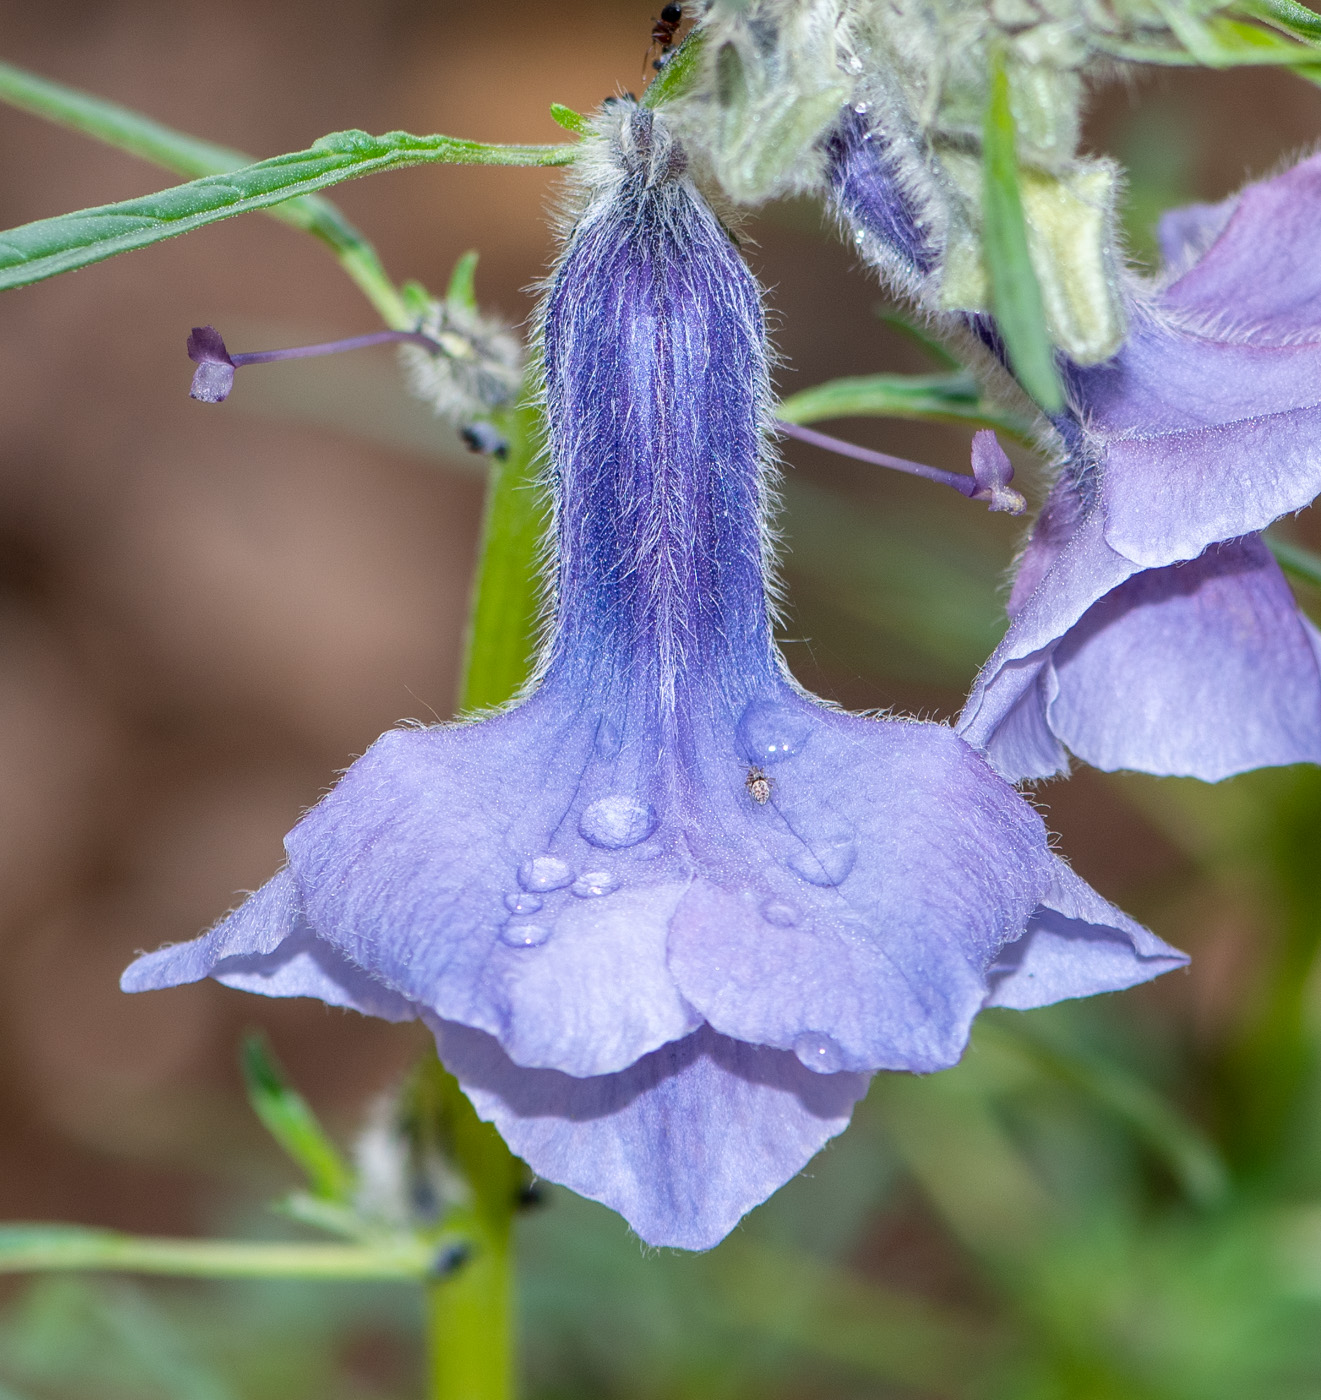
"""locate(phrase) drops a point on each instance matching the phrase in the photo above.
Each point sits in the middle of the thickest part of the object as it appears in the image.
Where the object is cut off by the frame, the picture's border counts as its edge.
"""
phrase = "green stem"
(506, 596)
(469, 1312)
(470, 1323)
(149, 140)
(65, 1248)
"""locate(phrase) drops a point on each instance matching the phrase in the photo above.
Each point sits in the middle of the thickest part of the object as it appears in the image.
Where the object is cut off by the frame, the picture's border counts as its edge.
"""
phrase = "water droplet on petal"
(593, 883)
(862, 108)
(824, 862)
(522, 903)
(819, 1053)
(616, 821)
(770, 732)
(545, 873)
(777, 912)
(524, 935)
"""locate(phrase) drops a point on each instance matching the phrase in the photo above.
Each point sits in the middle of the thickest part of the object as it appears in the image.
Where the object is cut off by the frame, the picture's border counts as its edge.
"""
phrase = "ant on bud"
(662, 36)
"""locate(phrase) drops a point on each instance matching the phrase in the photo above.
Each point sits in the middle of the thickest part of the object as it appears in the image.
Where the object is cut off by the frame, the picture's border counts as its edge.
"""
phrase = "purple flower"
(213, 379)
(1150, 626)
(668, 912)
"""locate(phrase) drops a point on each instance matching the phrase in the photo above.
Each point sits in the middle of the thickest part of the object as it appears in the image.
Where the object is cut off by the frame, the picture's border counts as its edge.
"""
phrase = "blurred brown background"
(206, 612)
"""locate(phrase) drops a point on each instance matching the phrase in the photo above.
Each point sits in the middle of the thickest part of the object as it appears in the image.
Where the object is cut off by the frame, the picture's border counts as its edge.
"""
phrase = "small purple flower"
(667, 913)
(214, 376)
(1150, 626)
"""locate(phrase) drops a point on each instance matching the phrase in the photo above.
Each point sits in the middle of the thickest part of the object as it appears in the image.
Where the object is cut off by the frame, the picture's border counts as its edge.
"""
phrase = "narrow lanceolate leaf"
(189, 156)
(1287, 15)
(1015, 292)
(66, 1248)
(289, 1119)
(50, 246)
(944, 398)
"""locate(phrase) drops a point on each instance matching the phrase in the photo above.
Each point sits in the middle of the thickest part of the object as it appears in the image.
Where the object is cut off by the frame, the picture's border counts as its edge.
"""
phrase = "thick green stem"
(470, 1331)
(506, 596)
(470, 1323)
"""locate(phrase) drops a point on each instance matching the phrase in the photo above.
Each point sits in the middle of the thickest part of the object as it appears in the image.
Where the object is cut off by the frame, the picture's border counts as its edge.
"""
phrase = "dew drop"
(819, 1053)
(777, 912)
(524, 935)
(543, 873)
(615, 822)
(593, 883)
(770, 732)
(824, 862)
(862, 108)
(522, 903)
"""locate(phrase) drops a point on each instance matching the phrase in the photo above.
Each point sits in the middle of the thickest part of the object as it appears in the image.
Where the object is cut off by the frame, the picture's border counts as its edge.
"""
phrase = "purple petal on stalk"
(1077, 945)
(681, 1144)
(993, 471)
(214, 376)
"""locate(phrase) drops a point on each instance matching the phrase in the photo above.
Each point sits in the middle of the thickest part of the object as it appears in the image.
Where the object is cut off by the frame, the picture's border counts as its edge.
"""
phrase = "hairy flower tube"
(1150, 628)
(667, 912)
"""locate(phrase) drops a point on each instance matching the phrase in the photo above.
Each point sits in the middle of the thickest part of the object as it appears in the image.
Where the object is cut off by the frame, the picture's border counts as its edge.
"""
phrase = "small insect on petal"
(758, 785)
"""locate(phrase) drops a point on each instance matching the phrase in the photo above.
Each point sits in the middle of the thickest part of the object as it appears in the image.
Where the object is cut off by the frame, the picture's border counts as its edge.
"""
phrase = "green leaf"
(63, 1248)
(793, 1298)
(186, 155)
(677, 75)
(462, 290)
(942, 398)
(918, 336)
(1188, 1153)
(1015, 292)
(1296, 560)
(69, 241)
(1287, 15)
(569, 119)
(290, 1121)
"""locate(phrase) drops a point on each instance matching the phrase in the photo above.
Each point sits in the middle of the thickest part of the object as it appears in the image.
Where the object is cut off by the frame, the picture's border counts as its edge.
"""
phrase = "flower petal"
(1261, 275)
(1205, 439)
(1077, 945)
(851, 918)
(1005, 713)
(257, 927)
(681, 1144)
(419, 867)
(1185, 233)
(1202, 669)
(265, 946)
